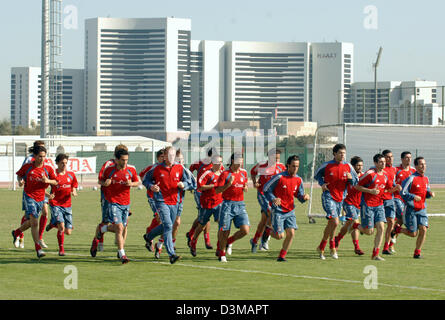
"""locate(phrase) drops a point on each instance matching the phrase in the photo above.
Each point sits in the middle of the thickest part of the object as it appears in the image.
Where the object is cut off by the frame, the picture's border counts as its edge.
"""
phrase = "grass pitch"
(246, 276)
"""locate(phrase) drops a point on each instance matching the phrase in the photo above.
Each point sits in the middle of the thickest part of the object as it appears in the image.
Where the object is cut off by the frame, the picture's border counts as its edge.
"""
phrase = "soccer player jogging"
(37, 176)
(232, 183)
(60, 201)
(210, 201)
(402, 173)
(97, 244)
(156, 220)
(118, 179)
(373, 185)
(333, 177)
(200, 167)
(20, 241)
(415, 190)
(261, 173)
(351, 206)
(167, 180)
(281, 191)
(388, 202)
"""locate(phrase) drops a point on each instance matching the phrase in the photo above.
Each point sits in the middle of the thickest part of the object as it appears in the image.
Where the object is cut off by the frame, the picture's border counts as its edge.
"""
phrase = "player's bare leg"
(329, 234)
(380, 227)
(390, 222)
(259, 232)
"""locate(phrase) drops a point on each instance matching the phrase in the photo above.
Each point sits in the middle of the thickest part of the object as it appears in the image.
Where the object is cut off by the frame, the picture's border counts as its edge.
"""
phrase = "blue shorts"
(413, 219)
(399, 206)
(233, 211)
(371, 215)
(152, 204)
(330, 206)
(197, 197)
(118, 213)
(283, 220)
(62, 215)
(205, 214)
(264, 204)
(352, 212)
(23, 201)
(390, 210)
(32, 207)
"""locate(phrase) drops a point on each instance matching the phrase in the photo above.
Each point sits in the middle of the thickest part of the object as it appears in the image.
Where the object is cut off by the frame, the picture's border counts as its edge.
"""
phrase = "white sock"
(121, 252)
(104, 228)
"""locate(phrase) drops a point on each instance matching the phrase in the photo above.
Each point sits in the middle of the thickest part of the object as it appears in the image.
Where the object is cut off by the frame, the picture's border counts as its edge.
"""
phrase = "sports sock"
(256, 237)
(375, 252)
(121, 252)
(340, 236)
(322, 245)
(230, 240)
(37, 246)
(17, 233)
(332, 244)
(386, 247)
(42, 225)
(207, 237)
(356, 246)
(283, 253)
(60, 238)
(417, 252)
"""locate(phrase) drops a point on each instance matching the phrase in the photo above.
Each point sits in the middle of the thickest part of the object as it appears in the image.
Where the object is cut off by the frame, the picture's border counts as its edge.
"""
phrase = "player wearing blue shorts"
(334, 176)
(232, 183)
(415, 190)
(60, 201)
(351, 206)
(211, 202)
(281, 191)
(373, 185)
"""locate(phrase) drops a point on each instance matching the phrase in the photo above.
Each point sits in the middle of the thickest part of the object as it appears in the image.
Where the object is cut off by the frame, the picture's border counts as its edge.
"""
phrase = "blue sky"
(409, 31)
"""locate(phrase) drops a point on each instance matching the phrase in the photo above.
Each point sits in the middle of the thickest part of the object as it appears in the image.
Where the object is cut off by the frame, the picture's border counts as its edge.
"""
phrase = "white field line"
(396, 286)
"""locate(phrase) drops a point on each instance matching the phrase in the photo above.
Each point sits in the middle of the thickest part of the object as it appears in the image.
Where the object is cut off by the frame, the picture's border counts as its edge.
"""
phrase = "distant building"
(398, 102)
(25, 100)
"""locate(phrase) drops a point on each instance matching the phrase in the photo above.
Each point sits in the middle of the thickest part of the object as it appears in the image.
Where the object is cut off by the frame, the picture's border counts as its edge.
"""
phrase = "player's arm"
(405, 193)
(269, 189)
(319, 177)
(253, 176)
(224, 183)
(300, 195)
(51, 179)
(188, 180)
(352, 176)
(429, 193)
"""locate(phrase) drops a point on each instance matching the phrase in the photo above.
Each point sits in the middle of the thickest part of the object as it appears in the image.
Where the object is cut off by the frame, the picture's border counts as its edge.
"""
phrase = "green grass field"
(246, 276)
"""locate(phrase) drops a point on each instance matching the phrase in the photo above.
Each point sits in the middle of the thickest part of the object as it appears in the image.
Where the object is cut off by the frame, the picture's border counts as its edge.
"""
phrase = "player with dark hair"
(415, 190)
(388, 201)
(351, 206)
(261, 173)
(373, 184)
(118, 179)
(60, 201)
(200, 167)
(20, 241)
(232, 183)
(334, 176)
(211, 201)
(402, 173)
(37, 176)
(281, 191)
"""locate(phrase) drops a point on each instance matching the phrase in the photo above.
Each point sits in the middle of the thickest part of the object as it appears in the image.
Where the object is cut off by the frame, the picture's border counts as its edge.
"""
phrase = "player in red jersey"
(156, 220)
(232, 183)
(210, 200)
(103, 203)
(415, 190)
(200, 167)
(373, 185)
(118, 179)
(37, 176)
(388, 202)
(20, 241)
(351, 206)
(281, 191)
(402, 173)
(60, 201)
(261, 173)
(334, 176)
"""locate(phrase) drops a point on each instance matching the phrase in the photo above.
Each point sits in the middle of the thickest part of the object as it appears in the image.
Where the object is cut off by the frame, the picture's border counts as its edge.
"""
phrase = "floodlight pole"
(375, 65)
